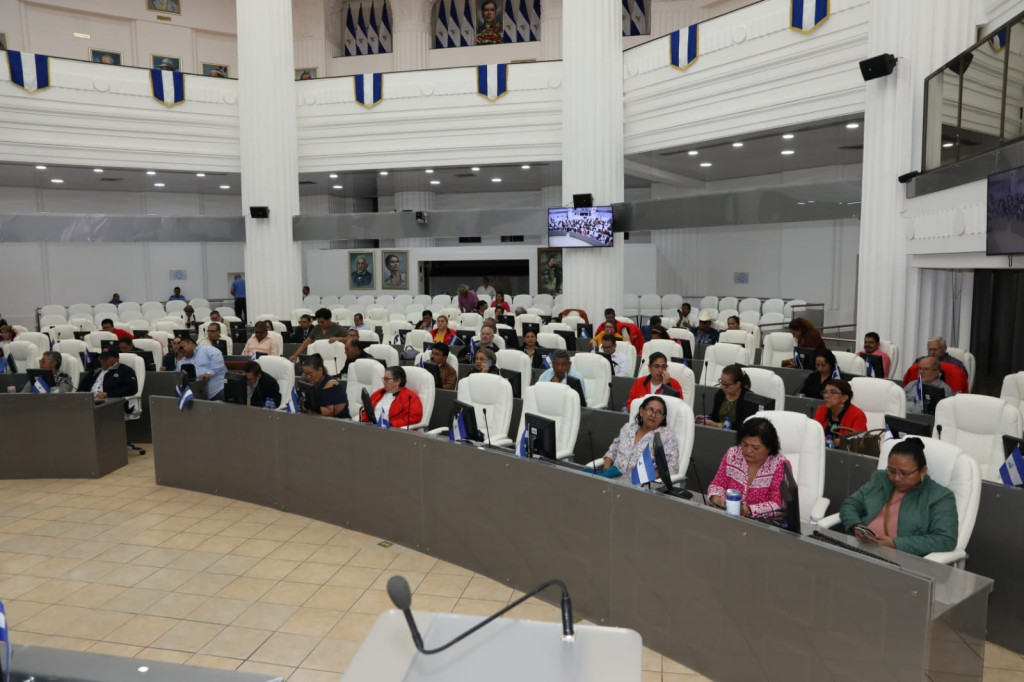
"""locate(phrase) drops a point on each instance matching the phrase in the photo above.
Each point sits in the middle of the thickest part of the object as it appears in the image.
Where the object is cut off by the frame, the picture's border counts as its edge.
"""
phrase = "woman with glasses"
(755, 467)
(824, 367)
(394, 405)
(485, 362)
(729, 407)
(330, 393)
(901, 507)
(657, 382)
(839, 413)
(630, 453)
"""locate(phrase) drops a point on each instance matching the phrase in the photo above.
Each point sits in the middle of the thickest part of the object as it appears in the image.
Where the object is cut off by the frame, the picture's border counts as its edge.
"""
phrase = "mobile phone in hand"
(865, 531)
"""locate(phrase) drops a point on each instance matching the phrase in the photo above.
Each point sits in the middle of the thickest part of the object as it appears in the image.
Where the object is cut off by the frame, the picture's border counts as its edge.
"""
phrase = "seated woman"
(606, 328)
(729, 409)
(531, 348)
(806, 336)
(442, 333)
(499, 302)
(656, 382)
(753, 466)
(824, 367)
(733, 322)
(7, 334)
(330, 393)
(901, 507)
(839, 414)
(394, 405)
(485, 362)
(630, 449)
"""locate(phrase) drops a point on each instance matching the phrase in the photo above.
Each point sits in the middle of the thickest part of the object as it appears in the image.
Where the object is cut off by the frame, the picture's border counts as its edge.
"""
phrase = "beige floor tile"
(355, 576)
(20, 563)
(650, 660)
(168, 579)
(332, 655)
(91, 571)
(443, 585)
(97, 626)
(412, 561)
(353, 626)
(450, 569)
(374, 558)
(311, 572)
(32, 638)
(114, 649)
(220, 544)
(314, 622)
(998, 657)
(295, 551)
(307, 675)
(677, 677)
(373, 601)
(150, 538)
(89, 549)
(235, 642)
(414, 578)
(206, 584)
(243, 529)
(135, 600)
(93, 595)
(195, 561)
(141, 631)
(281, 671)
(246, 588)
(206, 526)
(219, 610)
(176, 523)
(289, 593)
(54, 567)
(220, 662)
(188, 636)
(175, 605)
(338, 556)
(20, 611)
(670, 666)
(158, 557)
(999, 675)
(14, 588)
(128, 575)
(68, 643)
(317, 535)
(541, 612)
(335, 598)
(53, 591)
(233, 564)
(650, 676)
(279, 532)
(185, 541)
(484, 588)
(428, 602)
(164, 655)
(265, 616)
(275, 569)
(121, 554)
(53, 619)
(285, 649)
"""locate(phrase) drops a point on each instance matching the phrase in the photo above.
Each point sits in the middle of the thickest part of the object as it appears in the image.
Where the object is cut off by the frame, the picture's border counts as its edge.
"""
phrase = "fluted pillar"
(592, 142)
(923, 34)
(411, 34)
(269, 154)
(551, 30)
(550, 196)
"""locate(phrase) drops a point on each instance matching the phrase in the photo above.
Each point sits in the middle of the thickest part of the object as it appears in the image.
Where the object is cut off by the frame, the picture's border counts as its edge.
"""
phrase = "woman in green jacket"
(902, 507)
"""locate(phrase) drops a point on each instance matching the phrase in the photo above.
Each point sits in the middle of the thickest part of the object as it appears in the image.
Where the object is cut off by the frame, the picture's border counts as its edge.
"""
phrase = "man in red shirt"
(107, 325)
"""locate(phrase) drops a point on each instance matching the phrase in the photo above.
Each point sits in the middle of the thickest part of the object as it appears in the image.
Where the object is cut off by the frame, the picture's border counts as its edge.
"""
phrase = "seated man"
(176, 296)
(952, 374)
(872, 342)
(213, 332)
(938, 349)
(353, 352)
(704, 334)
(485, 340)
(658, 328)
(115, 300)
(126, 345)
(930, 373)
(110, 380)
(305, 328)
(427, 323)
(439, 356)
(51, 360)
(107, 325)
(260, 341)
(686, 317)
(620, 365)
(394, 405)
(209, 364)
(324, 329)
(562, 372)
(358, 323)
(172, 358)
(259, 386)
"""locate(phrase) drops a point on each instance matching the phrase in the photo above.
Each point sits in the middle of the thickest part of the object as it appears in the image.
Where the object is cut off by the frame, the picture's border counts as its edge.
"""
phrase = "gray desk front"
(631, 557)
(61, 436)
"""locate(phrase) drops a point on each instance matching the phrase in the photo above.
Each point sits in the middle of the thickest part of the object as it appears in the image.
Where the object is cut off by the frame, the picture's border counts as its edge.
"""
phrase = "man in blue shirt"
(177, 295)
(562, 372)
(209, 364)
(238, 291)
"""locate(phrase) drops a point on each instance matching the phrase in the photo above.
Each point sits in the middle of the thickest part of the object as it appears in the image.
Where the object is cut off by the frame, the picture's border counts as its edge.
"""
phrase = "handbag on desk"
(861, 442)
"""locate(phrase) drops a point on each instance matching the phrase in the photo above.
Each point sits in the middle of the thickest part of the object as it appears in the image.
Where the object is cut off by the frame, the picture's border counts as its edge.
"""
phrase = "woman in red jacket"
(839, 410)
(655, 382)
(394, 405)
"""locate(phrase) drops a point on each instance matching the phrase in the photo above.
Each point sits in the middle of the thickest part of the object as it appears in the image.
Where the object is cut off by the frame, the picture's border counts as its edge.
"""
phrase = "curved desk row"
(729, 597)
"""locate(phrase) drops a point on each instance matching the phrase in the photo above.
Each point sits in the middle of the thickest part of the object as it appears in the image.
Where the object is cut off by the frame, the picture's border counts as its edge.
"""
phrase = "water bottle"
(726, 423)
(270, 404)
(733, 500)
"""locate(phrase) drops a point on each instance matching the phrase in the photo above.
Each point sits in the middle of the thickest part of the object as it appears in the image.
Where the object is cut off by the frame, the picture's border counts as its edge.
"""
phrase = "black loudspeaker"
(582, 200)
(421, 217)
(960, 64)
(877, 67)
(259, 211)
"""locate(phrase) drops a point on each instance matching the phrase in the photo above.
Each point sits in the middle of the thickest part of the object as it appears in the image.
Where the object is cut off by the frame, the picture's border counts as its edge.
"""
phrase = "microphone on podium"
(938, 430)
(401, 597)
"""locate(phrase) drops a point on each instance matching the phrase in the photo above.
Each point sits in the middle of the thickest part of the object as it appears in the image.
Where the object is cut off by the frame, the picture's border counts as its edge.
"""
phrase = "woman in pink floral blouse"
(753, 466)
(631, 452)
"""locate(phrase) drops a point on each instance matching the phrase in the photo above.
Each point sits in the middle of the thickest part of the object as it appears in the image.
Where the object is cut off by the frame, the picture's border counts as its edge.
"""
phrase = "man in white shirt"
(357, 322)
(610, 349)
(687, 318)
(486, 288)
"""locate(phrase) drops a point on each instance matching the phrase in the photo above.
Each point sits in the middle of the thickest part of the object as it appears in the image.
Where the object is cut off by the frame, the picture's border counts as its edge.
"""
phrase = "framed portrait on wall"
(165, 63)
(215, 70)
(305, 74)
(105, 57)
(360, 269)
(549, 271)
(396, 270)
(488, 22)
(169, 6)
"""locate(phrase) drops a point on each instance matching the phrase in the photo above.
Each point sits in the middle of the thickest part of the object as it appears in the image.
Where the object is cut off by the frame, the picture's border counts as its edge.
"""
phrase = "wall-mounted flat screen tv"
(580, 227)
(1005, 226)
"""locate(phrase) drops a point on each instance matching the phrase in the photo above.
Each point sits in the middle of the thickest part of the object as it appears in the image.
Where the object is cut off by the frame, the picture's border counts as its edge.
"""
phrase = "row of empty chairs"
(648, 305)
(550, 304)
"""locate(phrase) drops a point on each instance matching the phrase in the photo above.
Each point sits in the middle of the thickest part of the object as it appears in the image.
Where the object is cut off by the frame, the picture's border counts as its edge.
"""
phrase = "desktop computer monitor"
(932, 395)
(434, 371)
(759, 402)
(147, 358)
(790, 501)
(511, 340)
(901, 428)
(140, 333)
(804, 357)
(182, 333)
(540, 436)
(44, 374)
(109, 344)
(467, 429)
(235, 389)
(570, 338)
(664, 473)
(531, 327)
(308, 395)
(875, 361)
(516, 379)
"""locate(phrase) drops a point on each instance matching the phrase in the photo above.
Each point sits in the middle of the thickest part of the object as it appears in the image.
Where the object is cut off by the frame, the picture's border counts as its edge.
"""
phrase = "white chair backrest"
(440, 301)
(367, 335)
(728, 302)
(851, 363)
(725, 313)
(312, 301)
(544, 301)
(25, 353)
(80, 309)
(772, 319)
(684, 335)
(966, 357)
(520, 319)
(559, 403)
(71, 347)
(670, 348)
(977, 424)
(767, 383)
(396, 311)
(199, 303)
(403, 299)
(417, 337)
(152, 305)
(71, 364)
(329, 352)
(363, 373)
(573, 322)
(138, 365)
(384, 300)
(557, 326)
(951, 467)
(1013, 390)
(99, 317)
(893, 351)
(41, 340)
(365, 300)
(670, 305)
(390, 330)
(877, 398)
(414, 311)
(131, 315)
(550, 340)
(735, 336)
(278, 341)
(423, 300)
(62, 331)
(773, 305)
(536, 311)
(597, 378)
(51, 320)
(421, 382)
(524, 300)
(517, 361)
(711, 302)
(750, 317)
(226, 312)
(630, 305)
(377, 316)
(778, 346)
(628, 350)
(174, 306)
(104, 308)
(268, 317)
(679, 419)
(471, 321)
(650, 304)
(153, 346)
(95, 339)
(54, 309)
(342, 316)
(802, 441)
(344, 301)
(788, 309)
(163, 338)
(128, 306)
(383, 352)
(681, 373)
(719, 356)
(281, 369)
(154, 314)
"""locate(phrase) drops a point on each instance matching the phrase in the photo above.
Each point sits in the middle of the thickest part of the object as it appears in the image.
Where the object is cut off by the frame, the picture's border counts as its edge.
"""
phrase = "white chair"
(363, 373)
(650, 305)
(131, 316)
(725, 313)
(492, 393)
(384, 300)
(342, 316)
(366, 301)
(226, 312)
(597, 378)
(417, 337)
(718, 357)
(546, 302)
(154, 314)
(802, 441)
(174, 306)
(877, 398)
(629, 351)
(773, 305)
(199, 303)
(787, 309)
(278, 342)
(383, 352)
(520, 319)
(561, 404)
(767, 383)
(80, 309)
(771, 320)
(403, 299)
(549, 340)
(299, 312)
(740, 337)
(967, 358)
(367, 335)
(267, 317)
(756, 331)
(123, 326)
(424, 300)
(1012, 391)
(283, 371)
(440, 301)
(104, 308)
(523, 300)
(60, 332)
(72, 347)
(630, 305)
(539, 312)
(670, 348)
(134, 401)
(25, 354)
(711, 302)
(517, 361)
(161, 337)
(750, 317)
(670, 305)
(202, 314)
(312, 301)
(99, 317)
(377, 316)
(94, 340)
(679, 419)
(951, 467)
(681, 373)
(153, 305)
(893, 351)
(420, 382)
(778, 346)
(165, 325)
(977, 424)
(153, 346)
(557, 327)
(396, 311)
(72, 366)
(344, 301)
(389, 331)
(41, 341)
(54, 309)
(850, 363)
(471, 321)
(573, 322)
(330, 353)
(331, 301)
(414, 311)
(727, 302)
(50, 320)
(357, 308)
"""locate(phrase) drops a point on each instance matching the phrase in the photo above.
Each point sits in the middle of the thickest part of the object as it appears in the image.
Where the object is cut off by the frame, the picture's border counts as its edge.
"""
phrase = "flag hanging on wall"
(998, 41)
(350, 33)
(807, 15)
(369, 89)
(30, 72)
(634, 17)
(683, 47)
(366, 28)
(168, 86)
(384, 32)
(492, 81)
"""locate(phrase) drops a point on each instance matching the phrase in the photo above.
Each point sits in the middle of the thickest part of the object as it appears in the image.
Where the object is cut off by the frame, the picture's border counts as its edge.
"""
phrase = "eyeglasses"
(654, 411)
(659, 366)
(832, 392)
(725, 384)
(387, 378)
(896, 473)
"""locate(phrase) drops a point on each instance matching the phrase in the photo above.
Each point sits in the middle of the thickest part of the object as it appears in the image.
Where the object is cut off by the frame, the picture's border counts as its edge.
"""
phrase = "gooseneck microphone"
(401, 597)
(408, 416)
(938, 430)
(704, 409)
(487, 428)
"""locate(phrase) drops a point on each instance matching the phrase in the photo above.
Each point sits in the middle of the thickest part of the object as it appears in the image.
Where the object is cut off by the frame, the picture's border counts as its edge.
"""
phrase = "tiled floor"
(125, 567)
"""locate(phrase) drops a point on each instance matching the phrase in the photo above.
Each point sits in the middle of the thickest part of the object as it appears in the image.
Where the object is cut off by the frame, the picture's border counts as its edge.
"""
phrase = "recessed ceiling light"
(495, 179)
(435, 182)
(787, 152)
(158, 184)
(947, 145)
(737, 144)
(810, 201)
(383, 172)
(56, 180)
(429, 170)
(200, 175)
(40, 167)
(475, 169)
(525, 166)
(143, 668)
(706, 164)
(853, 126)
(84, 36)
(225, 186)
(333, 176)
(150, 172)
(693, 152)
(801, 203)
(338, 187)
(788, 136)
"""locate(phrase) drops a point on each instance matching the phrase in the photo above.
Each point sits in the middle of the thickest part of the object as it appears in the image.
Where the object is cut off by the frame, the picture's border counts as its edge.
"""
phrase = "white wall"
(31, 200)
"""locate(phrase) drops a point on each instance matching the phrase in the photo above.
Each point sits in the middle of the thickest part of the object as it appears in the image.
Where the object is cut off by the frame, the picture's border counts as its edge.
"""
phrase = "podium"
(507, 650)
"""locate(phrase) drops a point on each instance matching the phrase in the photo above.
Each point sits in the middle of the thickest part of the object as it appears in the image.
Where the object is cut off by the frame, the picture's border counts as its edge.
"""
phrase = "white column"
(411, 34)
(269, 154)
(551, 30)
(411, 195)
(592, 143)
(550, 196)
(923, 34)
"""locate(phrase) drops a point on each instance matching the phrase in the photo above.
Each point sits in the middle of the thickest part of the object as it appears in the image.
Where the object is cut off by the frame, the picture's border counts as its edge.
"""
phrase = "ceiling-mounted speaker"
(259, 211)
(877, 67)
(582, 200)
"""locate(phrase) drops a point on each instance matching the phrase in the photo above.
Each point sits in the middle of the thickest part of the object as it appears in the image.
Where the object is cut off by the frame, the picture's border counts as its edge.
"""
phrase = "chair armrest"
(947, 557)
(829, 521)
(565, 454)
(438, 431)
(679, 478)
(501, 442)
(820, 507)
(597, 464)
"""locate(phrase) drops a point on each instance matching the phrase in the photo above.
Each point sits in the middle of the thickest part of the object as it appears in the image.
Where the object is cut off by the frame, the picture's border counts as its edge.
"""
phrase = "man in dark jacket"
(261, 386)
(111, 380)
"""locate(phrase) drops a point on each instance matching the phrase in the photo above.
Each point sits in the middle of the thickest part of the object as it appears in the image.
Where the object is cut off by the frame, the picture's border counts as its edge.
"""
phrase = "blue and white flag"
(40, 386)
(887, 435)
(508, 24)
(168, 86)
(919, 392)
(998, 41)
(5, 637)
(869, 369)
(547, 361)
(835, 372)
(1012, 471)
(454, 33)
(292, 405)
(30, 72)
(644, 471)
(372, 39)
(807, 15)
(534, 17)
(383, 422)
(369, 89)
(184, 397)
(420, 361)
(87, 356)
(3, 365)
(634, 18)
(524, 444)
(384, 31)
(492, 81)
(522, 22)
(684, 47)
(350, 34)
(466, 27)
(796, 358)
(441, 27)
(361, 43)
(458, 430)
